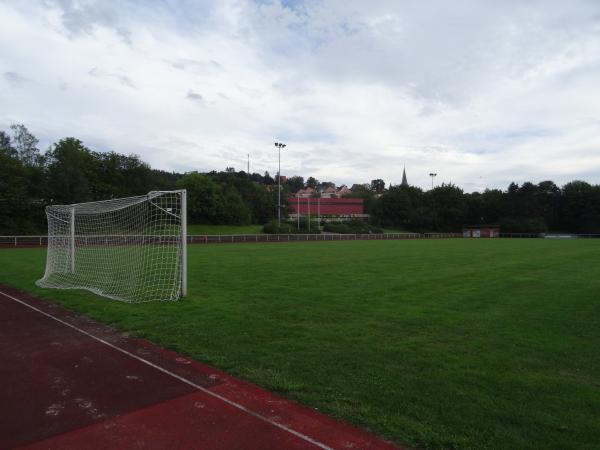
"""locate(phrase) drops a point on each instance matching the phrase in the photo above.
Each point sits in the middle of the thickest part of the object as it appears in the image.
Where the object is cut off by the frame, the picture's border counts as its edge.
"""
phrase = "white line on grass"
(180, 378)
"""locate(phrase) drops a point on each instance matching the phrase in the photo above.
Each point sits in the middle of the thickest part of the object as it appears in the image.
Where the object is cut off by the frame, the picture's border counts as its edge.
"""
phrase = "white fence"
(42, 241)
(211, 239)
(19, 241)
(39, 241)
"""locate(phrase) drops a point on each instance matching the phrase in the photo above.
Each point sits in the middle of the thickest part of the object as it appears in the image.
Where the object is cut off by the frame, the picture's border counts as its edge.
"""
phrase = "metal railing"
(23, 241)
(233, 238)
(39, 241)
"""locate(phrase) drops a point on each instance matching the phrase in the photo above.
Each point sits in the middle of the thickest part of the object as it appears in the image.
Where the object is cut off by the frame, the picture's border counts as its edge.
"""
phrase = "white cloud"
(481, 92)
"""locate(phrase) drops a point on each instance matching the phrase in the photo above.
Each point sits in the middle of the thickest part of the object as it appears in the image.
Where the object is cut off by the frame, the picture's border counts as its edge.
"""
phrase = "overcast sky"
(481, 92)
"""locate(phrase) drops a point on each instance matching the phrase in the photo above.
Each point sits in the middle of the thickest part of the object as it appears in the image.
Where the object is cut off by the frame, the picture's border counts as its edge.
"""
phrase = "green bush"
(352, 227)
(273, 228)
(291, 227)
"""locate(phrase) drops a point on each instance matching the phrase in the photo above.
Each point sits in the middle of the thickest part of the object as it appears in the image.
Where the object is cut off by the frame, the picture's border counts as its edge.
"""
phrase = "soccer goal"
(130, 249)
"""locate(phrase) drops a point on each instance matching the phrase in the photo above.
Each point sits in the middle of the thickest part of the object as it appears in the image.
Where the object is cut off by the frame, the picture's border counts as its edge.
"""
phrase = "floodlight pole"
(432, 175)
(309, 215)
(319, 213)
(279, 146)
(298, 211)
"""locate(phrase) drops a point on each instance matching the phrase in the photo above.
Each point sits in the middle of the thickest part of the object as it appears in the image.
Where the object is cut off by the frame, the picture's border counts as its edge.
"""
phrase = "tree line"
(528, 208)
(70, 172)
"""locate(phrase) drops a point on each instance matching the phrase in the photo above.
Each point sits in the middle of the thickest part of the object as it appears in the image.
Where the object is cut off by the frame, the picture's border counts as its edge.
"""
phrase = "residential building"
(338, 207)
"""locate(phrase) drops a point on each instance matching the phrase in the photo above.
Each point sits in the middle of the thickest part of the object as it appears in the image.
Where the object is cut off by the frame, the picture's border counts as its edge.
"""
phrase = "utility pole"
(279, 146)
(248, 165)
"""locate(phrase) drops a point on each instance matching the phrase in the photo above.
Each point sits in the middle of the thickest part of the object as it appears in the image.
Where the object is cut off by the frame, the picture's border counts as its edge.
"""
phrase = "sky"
(483, 93)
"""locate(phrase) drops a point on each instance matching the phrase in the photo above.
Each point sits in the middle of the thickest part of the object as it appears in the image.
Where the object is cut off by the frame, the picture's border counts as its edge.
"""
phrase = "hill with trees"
(529, 208)
(70, 172)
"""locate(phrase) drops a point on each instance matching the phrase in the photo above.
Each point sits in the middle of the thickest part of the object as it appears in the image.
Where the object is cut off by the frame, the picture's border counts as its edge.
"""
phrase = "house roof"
(304, 191)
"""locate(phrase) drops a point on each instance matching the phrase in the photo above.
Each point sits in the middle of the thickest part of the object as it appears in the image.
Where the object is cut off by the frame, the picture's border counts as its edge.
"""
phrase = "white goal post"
(130, 249)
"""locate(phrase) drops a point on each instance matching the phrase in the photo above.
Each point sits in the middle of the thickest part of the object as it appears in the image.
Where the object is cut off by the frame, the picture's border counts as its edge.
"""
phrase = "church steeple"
(404, 180)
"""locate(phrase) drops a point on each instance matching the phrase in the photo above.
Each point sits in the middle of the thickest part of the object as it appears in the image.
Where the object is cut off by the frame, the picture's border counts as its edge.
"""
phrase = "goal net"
(130, 249)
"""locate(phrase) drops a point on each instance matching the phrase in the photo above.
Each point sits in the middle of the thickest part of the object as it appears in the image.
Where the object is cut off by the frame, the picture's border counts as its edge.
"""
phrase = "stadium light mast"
(279, 146)
(298, 211)
(432, 175)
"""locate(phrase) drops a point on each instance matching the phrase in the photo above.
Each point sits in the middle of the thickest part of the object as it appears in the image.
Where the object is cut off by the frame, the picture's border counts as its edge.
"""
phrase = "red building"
(487, 231)
(327, 206)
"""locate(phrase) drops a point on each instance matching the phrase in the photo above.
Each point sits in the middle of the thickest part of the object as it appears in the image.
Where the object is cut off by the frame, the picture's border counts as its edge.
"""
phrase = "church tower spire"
(404, 180)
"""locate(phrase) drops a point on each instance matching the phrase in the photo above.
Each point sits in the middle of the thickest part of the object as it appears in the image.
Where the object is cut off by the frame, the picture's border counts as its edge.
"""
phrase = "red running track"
(69, 382)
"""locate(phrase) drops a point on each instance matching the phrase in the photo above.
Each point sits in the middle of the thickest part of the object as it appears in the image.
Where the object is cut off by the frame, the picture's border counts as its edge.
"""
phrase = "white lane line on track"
(174, 375)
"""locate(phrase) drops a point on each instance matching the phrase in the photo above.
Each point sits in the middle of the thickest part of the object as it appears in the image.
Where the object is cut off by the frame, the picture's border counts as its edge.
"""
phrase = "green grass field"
(431, 343)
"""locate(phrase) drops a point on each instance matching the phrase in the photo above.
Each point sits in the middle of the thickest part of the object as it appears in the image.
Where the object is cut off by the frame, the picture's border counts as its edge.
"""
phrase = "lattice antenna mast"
(130, 249)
